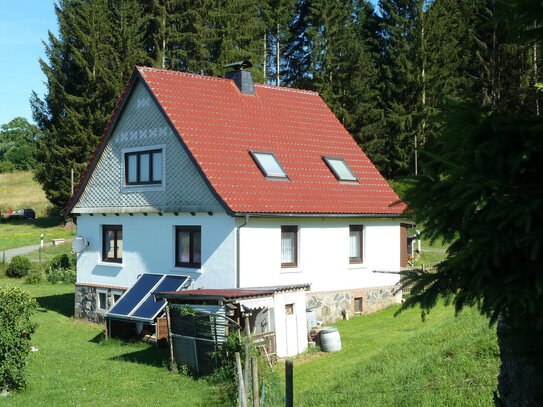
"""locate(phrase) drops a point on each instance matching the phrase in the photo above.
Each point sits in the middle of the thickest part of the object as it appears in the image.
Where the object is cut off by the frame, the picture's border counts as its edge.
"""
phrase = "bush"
(16, 307)
(60, 261)
(55, 276)
(18, 267)
(34, 277)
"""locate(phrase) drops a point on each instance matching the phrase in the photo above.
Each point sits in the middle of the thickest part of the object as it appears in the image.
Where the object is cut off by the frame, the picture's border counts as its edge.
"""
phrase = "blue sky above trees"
(23, 27)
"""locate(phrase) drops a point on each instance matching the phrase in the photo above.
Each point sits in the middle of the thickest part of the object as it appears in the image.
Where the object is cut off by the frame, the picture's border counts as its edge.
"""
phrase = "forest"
(384, 69)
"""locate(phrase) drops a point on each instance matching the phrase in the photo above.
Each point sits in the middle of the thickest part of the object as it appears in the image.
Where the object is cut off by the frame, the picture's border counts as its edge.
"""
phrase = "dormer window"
(268, 164)
(144, 166)
(340, 169)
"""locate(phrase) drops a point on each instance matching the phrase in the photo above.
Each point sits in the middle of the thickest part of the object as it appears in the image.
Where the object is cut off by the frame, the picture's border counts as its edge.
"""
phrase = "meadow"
(385, 361)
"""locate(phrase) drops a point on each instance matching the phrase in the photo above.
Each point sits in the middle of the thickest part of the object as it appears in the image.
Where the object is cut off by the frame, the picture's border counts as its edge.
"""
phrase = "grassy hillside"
(385, 361)
(19, 190)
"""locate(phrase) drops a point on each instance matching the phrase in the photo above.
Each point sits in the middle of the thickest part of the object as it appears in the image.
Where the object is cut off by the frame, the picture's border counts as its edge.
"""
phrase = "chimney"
(242, 79)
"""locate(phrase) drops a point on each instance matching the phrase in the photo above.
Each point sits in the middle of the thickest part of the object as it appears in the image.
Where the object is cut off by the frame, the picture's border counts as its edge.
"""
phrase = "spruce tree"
(85, 77)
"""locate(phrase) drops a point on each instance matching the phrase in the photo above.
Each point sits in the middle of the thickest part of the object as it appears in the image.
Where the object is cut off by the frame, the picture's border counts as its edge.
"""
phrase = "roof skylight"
(268, 164)
(340, 169)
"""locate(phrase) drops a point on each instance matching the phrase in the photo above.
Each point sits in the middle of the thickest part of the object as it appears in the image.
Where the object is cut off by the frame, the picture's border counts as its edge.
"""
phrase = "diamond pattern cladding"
(141, 124)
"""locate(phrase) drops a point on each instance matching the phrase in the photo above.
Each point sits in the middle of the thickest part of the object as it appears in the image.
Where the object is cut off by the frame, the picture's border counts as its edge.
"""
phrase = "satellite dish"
(79, 244)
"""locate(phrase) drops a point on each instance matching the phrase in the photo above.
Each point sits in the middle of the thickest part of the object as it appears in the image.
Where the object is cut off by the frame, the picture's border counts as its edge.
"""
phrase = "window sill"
(290, 270)
(110, 264)
(356, 266)
(187, 270)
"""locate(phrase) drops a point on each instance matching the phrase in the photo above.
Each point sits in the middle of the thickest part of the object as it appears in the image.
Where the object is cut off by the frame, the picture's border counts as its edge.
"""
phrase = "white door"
(291, 325)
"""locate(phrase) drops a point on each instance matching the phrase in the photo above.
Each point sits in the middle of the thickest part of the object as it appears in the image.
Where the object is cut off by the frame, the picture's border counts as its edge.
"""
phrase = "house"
(234, 184)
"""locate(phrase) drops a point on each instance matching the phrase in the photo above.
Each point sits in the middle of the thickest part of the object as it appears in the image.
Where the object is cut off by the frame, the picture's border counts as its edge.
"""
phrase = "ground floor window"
(289, 246)
(112, 243)
(355, 244)
(188, 246)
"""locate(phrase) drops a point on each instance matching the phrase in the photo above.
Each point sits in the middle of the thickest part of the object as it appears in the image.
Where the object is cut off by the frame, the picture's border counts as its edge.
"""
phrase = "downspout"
(245, 221)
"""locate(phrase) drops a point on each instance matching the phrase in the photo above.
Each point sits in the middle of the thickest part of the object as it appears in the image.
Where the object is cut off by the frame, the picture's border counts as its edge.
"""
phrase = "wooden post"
(247, 367)
(170, 339)
(256, 398)
(289, 388)
(246, 370)
(241, 384)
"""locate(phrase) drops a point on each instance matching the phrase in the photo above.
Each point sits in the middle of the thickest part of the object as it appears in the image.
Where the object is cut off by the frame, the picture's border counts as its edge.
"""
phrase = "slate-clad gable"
(141, 125)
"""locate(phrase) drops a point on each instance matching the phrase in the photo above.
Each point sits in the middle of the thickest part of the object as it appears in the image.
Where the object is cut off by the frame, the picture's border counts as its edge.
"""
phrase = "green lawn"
(25, 232)
(388, 361)
(385, 361)
(75, 367)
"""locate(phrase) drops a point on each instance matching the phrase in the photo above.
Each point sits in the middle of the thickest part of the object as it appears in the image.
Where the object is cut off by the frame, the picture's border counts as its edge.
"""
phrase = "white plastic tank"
(330, 340)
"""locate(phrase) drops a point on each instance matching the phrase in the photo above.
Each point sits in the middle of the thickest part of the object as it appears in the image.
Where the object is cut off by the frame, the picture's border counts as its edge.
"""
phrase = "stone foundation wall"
(86, 301)
(331, 305)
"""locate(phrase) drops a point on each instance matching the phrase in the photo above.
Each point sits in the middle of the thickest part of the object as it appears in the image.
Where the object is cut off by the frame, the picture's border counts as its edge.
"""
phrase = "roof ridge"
(199, 76)
(285, 88)
(180, 73)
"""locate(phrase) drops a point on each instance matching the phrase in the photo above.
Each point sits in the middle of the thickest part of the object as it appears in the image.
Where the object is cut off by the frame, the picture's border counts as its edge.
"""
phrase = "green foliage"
(17, 143)
(57, 276)
(482, 191)
(19, 266)
(60, 269)
(16, 308)
(35, 276)
(61, 261)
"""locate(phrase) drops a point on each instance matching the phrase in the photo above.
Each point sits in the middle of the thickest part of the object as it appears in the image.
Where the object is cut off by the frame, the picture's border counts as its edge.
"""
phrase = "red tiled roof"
(220, 125)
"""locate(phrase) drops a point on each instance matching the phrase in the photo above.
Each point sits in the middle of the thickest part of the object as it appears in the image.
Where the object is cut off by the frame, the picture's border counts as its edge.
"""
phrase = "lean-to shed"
(274, 317)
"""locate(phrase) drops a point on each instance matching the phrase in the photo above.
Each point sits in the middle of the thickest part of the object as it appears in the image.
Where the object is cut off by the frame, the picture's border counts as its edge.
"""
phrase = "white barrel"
(330, 340)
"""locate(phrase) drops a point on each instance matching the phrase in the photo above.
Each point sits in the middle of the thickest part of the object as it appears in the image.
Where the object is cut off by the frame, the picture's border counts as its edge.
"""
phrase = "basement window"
(268, 164)
(340, 169)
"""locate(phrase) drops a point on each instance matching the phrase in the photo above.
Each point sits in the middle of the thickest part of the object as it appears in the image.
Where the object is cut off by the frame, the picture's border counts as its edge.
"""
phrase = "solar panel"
(150, 308)
(135, 294)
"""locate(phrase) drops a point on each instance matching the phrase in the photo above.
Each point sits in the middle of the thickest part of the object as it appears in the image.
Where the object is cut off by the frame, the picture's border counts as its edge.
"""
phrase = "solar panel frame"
(149, 308)
(132, 297)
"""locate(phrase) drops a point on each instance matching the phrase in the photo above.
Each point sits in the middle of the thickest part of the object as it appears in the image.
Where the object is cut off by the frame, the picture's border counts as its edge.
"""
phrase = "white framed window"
(102, 300)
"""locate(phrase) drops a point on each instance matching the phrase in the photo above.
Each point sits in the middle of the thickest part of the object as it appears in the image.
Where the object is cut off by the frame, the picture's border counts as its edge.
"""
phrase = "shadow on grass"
(61, 303)
(42, 223)
(157, 357)
(99, 338)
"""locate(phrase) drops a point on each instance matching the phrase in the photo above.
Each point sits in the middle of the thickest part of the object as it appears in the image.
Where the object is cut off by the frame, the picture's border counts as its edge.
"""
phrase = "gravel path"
(19, 251)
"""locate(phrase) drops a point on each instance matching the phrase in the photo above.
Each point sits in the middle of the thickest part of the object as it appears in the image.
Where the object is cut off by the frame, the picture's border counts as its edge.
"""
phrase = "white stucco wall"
(323, 253)
(148, 247)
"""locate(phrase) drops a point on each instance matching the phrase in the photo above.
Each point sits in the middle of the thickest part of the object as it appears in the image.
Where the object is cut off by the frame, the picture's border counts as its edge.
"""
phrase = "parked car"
(24, 214)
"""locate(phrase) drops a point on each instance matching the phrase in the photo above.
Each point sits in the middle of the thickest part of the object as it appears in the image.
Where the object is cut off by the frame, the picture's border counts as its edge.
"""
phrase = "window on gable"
(188, 246)
(143, 167)
(289, 246)
(112, 243)
(268, 164)
(355, 244)
(339, 168)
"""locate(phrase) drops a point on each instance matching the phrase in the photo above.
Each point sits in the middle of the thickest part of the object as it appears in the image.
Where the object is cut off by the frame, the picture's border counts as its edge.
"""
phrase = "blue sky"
(23, 26)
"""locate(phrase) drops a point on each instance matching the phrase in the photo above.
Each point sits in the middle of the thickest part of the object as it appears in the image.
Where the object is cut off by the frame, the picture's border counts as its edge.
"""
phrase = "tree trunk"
(520, 382)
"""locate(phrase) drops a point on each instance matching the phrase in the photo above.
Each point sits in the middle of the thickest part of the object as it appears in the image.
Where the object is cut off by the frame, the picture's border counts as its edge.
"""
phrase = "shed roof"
(228, 294)
(219, 126)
